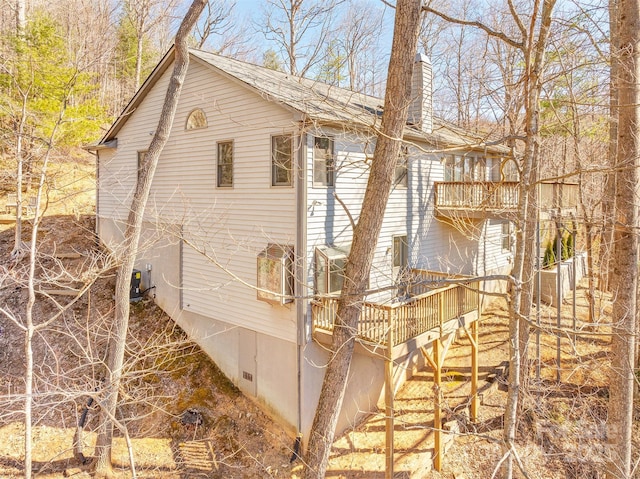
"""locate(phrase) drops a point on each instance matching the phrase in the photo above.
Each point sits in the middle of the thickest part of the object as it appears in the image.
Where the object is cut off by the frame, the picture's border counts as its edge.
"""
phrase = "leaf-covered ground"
(561, 434)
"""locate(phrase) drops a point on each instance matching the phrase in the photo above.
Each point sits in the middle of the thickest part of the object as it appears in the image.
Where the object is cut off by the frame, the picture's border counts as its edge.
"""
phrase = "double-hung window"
(275, 274)
(400, 252)
(507, 236)
(402, 167)
(323, 161)
(281, 160)
(225, 164)
(453, 168)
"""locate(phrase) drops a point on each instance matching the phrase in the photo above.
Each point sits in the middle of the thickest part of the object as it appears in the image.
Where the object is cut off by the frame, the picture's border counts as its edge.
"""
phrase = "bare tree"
(27, 320)
(608, 202)
(625, 278)
(357, 37)
(299, 29)
(365, 235)
(132, 237)
(21, 16)
(531, 40)
(144, 15)
(216, 19)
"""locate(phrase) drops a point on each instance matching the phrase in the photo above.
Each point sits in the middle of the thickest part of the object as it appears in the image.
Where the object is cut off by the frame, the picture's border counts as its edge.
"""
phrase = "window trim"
(274, 183)
(509, 170)
(219, 165)
(284, 255)
(329, 164)
(190, 115)
(465, 167)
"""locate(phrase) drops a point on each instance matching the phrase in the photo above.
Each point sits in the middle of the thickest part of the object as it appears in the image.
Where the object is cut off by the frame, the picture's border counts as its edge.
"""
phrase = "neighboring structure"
(249, 224)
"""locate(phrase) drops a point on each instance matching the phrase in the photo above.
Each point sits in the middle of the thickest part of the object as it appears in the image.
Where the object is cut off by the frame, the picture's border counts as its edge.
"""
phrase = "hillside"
(166, 376)
(170, 384)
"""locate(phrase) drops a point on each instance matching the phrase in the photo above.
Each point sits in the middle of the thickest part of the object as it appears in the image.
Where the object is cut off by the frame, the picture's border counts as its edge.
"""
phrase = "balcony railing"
(500, 197)
(558, 195)
(426, 309)
(477, 195)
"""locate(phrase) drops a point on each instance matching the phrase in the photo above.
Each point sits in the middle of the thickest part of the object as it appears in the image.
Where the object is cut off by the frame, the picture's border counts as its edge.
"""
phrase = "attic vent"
(196, 119)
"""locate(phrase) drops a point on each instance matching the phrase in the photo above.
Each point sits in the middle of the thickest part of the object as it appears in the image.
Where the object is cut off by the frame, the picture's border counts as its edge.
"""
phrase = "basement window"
(330, 263)
(275, 274)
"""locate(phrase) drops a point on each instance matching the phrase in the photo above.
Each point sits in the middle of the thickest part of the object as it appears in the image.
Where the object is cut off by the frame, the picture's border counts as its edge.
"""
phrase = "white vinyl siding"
(231, 225)
(465, 246)
(328, 223)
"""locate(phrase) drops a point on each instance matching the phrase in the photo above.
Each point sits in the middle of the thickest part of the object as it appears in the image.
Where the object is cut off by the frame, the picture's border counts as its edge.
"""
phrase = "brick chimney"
(421, 107)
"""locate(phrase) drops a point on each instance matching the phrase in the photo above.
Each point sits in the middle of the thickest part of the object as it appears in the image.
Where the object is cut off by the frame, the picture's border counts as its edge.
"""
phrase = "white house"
(249, 224)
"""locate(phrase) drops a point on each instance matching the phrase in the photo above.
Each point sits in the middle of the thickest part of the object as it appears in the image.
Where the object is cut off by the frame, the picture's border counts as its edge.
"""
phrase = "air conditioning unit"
(135, 294)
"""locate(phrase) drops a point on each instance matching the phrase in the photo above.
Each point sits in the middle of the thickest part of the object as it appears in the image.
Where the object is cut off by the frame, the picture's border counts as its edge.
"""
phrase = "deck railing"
(477, 195)
(407, 318)
(501, 196)
(558, 195)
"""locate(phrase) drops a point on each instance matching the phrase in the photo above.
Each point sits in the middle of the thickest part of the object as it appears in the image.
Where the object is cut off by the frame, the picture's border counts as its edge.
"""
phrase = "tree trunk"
(133, 230)
(28, 393)
(365, 235)
(21, 16)
(608, 201)
(522, 292)
(625, 279)
(139, 46)
(17, 237)
(30, 326)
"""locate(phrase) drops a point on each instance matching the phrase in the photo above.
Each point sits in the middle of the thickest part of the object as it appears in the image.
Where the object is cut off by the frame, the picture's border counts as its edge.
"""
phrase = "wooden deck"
(479, 199)
(423, 310)
(422, 319)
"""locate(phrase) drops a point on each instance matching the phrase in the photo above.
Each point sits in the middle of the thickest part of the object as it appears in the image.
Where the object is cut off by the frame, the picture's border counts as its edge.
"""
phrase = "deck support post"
(388, 401)
(438, 448)
(473, 337)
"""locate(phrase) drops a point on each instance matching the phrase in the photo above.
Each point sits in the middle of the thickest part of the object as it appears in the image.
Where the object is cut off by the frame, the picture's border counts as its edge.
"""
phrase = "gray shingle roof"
(329, 103)
(316, 100)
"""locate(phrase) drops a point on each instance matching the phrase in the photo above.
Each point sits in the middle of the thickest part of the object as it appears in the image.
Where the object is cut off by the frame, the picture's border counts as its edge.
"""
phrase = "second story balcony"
(499, 199)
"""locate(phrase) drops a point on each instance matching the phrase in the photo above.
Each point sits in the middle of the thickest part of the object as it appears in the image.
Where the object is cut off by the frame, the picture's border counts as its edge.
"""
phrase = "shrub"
(549, 256)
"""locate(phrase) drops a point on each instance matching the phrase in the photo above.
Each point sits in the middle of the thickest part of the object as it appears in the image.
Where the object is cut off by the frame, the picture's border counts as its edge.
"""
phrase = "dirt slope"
(166, 376)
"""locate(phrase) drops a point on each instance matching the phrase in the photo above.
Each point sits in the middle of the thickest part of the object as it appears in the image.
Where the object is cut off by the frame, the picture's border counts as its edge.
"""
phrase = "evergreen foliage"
(125, 55)
(271, 61)
(42, 75)
(549, 256)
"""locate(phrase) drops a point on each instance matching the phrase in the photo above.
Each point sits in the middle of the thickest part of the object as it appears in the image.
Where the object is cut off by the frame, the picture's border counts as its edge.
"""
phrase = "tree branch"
(473, 23)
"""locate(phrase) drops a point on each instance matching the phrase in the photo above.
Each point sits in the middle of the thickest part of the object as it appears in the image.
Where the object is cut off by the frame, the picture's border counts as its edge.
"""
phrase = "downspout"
(97, 226)
(302, 303)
